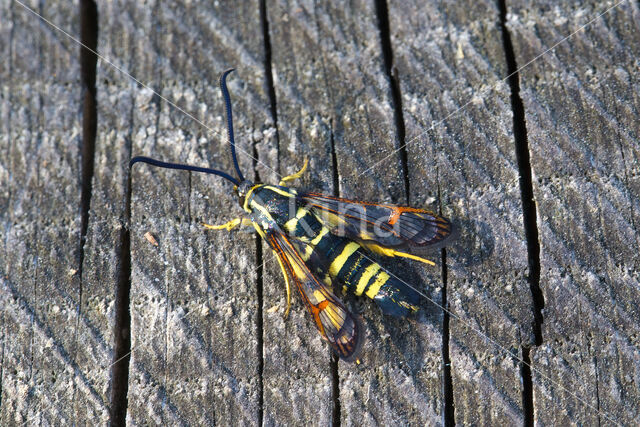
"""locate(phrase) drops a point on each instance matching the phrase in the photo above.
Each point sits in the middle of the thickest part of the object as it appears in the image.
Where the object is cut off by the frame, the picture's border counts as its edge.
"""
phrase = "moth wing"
(386, 225)
(336, 324)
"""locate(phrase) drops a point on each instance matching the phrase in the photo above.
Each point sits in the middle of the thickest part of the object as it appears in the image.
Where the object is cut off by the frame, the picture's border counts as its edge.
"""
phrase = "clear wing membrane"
(336, 324)
(387, 225)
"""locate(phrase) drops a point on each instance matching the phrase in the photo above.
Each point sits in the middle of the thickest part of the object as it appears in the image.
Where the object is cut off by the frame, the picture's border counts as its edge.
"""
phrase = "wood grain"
(209, 344)
(335, 99)
(461, 153)
(582, 113)
(46, 337)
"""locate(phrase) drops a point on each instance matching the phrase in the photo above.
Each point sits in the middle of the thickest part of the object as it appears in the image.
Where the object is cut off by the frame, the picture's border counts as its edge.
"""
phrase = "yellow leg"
(287, 283)
(393, 253)
(296, 175)
(229, 225)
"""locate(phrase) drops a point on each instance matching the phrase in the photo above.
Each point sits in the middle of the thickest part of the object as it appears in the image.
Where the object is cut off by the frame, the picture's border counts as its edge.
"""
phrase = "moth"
(323, 242)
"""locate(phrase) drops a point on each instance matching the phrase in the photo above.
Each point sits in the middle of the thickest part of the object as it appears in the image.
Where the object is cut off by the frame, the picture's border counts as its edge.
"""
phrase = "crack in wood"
(527, 387)
(268, 71)
(119, 375)
(528, 211)
(122, 326)
(335, 372)
(448, 412)
(526, 186)
(382, 12)
(88, 63)
(260, 297)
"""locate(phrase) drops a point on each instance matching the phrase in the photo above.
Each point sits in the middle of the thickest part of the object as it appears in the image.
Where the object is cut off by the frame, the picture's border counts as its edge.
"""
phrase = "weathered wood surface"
(334, 99)
(209, 345)
(460, 146)
(54, 357)
(194, 296)
(583, 118)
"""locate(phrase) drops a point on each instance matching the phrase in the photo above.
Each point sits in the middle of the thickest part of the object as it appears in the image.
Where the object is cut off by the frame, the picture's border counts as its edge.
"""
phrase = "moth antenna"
(227, 109)
(166, 165)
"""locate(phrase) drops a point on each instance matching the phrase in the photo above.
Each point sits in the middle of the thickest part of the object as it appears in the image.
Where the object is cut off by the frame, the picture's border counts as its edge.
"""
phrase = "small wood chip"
(150, 238)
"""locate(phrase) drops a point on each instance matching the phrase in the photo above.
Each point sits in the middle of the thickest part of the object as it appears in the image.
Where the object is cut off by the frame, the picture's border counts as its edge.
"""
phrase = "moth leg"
(296, 175)
(287, 283)
(393, 253)
(229, 225)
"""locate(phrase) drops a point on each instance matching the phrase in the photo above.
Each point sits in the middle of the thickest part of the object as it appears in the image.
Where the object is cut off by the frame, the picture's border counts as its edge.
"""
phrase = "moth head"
(242, 190)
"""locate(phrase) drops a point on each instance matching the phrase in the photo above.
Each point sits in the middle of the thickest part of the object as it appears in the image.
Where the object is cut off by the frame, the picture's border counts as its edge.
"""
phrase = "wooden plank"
(193, 297)
(461, 153)
(582, 111)
(107, 210)
(332, 90)
(45, 379)
(294, 345)
(207, 347)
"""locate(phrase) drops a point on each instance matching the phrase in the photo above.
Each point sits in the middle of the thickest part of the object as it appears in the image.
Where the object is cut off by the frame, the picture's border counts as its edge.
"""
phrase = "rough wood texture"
(334, 99)
(45, 377)
(461, 153)
(583, 114)
(209, 345)
(193, 297)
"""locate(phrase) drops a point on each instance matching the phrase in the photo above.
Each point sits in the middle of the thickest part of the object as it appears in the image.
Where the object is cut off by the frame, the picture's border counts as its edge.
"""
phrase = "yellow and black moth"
(322, 241)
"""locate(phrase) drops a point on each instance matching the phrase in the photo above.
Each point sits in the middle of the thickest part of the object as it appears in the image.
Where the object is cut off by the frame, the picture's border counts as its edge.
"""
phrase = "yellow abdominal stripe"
(320, 235)
(339, 261)
(293, 222)
(333, 219)
(369, 272)
(313, 243)
(375, 286)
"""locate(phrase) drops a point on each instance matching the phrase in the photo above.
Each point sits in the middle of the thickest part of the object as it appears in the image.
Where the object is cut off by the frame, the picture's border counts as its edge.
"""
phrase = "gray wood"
(209, 341)
(331, 87)
(193, 297)
(47, 376)
(304, 129)
(107, 221)
(462, 155)
(582, 110)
